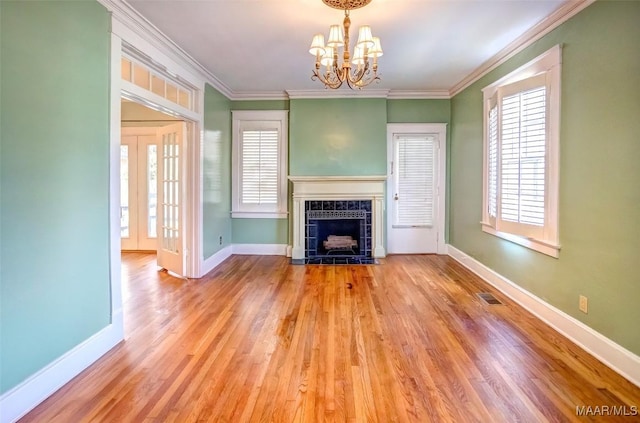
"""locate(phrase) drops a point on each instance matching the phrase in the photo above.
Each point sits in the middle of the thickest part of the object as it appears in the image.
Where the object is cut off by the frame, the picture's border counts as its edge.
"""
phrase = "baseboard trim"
(21, 399)
(215, 260)
(261, 249)
(618, 358)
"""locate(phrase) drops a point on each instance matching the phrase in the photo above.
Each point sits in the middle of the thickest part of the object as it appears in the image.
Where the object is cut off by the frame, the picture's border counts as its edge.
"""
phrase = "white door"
(171, 216)
(415, 189)
(138, 188)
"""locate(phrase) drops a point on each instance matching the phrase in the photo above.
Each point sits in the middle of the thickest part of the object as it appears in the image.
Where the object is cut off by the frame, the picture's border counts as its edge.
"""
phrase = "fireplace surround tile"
(313, 238)
(340, 194)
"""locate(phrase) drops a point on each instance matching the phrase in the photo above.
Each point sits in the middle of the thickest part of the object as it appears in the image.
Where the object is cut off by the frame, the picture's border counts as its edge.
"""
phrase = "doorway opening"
(153, 191)
(139, 149)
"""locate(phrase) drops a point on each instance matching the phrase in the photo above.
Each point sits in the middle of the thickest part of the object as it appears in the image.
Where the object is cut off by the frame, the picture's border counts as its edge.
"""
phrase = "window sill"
(259, 215)
(543, 247)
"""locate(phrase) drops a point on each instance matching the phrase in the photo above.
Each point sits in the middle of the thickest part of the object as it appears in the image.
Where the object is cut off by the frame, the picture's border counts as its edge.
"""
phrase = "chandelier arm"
(358, 75)
(328, 82)
(363, 78)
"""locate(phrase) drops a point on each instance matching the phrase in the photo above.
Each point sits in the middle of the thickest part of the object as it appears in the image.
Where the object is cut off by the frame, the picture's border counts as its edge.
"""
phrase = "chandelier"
(357, 70)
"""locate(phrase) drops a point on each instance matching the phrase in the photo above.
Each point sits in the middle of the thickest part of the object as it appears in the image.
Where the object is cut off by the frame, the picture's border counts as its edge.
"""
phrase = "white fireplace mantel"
(332, 188)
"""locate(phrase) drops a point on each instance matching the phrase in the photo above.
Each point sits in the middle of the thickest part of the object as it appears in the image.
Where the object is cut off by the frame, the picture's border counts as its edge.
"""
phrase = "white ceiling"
(261, 46)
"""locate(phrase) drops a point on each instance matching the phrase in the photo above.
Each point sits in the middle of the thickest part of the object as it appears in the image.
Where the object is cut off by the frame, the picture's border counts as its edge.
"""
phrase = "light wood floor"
(259, 339)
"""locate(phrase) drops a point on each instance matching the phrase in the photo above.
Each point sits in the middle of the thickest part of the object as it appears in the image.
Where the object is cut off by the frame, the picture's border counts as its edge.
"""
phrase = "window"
(152, 79)
(260, 164)
(521, 149)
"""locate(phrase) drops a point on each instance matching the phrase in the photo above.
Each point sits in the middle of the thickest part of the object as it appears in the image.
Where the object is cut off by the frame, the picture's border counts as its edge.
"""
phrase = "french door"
(171, 210)
(138, 188)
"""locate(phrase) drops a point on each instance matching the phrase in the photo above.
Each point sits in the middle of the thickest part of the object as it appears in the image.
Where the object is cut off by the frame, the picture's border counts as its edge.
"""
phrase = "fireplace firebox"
(338, 231)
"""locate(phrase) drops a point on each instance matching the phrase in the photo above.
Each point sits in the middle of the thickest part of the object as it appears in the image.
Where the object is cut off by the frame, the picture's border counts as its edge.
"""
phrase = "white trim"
(604, 349)
(322, 179)
(424, 128)
(542, 63)
(367, 93)
(193, 208)
(259, 215)
(260, 249)
(115, 261)
(534, 244)
(156, 102)
(551, 22)
(18, 401)
(215, 260)
(322, 94)
(259, 95)
(326, 93)
(420, 95)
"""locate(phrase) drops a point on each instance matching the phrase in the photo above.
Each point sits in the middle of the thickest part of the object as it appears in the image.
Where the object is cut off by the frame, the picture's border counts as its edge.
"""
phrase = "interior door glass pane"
(152, 189)
(124, 191)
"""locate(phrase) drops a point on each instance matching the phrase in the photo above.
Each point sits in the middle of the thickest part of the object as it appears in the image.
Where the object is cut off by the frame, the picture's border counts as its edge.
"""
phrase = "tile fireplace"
(337, 219)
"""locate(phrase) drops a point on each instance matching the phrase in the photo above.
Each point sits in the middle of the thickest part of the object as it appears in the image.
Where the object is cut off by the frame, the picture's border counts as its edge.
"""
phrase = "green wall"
(54, 131)
(260, 105)
(260, 231)
(418, 111)
(599, 175)
(216, 172)
(338, 137)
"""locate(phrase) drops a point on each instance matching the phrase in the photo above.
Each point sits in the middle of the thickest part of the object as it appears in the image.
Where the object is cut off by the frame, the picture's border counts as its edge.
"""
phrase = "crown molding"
(419, 95)
(259, 95)
(138, 24)
(542, 28)
(326, 93)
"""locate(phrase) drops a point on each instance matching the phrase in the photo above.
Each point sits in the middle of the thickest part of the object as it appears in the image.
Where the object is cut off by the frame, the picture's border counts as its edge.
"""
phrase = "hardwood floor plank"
(261, 340)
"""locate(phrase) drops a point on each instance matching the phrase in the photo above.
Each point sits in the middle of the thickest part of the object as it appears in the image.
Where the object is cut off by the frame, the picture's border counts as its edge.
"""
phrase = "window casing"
(521, 155)
(260, 140)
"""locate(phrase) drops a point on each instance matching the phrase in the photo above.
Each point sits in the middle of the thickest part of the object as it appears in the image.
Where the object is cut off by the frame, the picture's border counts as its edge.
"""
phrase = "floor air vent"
(488, 298)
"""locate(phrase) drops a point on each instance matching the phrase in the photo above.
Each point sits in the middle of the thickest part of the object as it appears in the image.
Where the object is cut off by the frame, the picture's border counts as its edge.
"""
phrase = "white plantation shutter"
(521, 148)
(260, 166)
(493, 162)
(415, 180)
(523, 157)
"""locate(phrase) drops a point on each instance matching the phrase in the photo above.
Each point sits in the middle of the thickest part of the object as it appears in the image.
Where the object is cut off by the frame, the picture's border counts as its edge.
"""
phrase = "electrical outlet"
(583, 304)
(220, 240)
